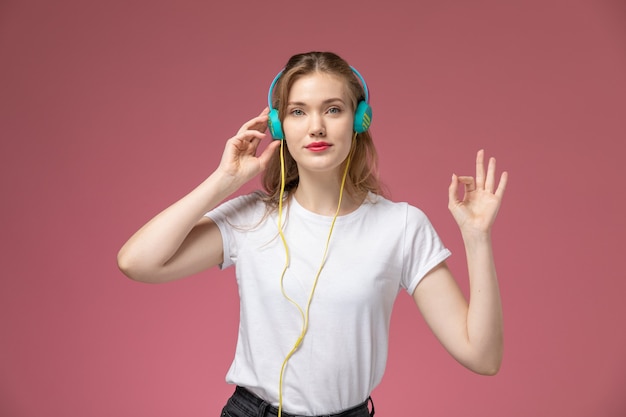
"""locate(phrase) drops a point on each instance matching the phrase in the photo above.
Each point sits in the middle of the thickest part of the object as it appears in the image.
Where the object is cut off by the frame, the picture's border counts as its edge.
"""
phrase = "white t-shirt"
(374, 252)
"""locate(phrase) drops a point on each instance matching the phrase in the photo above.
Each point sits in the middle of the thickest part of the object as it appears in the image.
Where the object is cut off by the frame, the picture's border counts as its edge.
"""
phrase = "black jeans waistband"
(251, 404)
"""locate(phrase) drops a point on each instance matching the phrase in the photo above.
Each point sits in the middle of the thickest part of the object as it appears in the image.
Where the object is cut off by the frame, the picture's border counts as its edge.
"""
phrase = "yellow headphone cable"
(304, 314)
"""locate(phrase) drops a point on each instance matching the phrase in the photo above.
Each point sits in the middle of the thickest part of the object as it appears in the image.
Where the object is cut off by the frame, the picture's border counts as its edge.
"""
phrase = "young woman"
(320, 254)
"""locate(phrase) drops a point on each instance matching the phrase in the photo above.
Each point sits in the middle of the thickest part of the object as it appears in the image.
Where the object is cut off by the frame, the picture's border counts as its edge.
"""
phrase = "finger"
(268, 152)
(491, 175)
(248, 141)
(470, 184)
(261, 126)
(252, 135)
(480, 169)
(504, 178)
(452, 191)
(258, 123)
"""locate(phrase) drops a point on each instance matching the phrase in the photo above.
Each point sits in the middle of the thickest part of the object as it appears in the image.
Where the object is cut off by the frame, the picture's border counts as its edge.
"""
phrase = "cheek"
(347, 128)
(347, 121)
(292, 127)
(292, 141)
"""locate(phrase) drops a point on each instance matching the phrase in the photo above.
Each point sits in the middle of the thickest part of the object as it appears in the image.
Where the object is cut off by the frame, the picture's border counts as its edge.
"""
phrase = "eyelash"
(299, 112)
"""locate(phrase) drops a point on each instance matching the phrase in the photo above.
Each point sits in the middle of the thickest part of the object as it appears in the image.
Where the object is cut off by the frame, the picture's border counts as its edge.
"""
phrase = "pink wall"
(109, 111)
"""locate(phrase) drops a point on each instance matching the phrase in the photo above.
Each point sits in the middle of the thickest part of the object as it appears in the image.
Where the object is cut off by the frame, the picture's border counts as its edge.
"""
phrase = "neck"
(324, 193)
(320, 194)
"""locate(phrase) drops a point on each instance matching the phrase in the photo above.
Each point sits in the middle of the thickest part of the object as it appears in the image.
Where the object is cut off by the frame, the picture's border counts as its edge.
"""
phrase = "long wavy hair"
(363, 171)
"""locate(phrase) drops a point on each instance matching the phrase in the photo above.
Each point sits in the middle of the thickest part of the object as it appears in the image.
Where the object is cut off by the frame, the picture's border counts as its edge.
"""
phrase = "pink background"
(110, 111)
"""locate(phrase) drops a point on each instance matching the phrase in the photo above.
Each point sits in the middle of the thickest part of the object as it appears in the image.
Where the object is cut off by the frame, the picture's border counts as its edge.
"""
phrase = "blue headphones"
(362, 115)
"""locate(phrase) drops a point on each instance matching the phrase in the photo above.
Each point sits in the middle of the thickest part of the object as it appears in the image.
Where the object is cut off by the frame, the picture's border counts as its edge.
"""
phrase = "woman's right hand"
(240, 161)
(179, 241)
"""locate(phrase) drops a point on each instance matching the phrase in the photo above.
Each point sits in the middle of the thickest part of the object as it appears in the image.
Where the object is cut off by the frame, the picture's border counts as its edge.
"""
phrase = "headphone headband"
(354, 70)
(269, 93)
(363, 83)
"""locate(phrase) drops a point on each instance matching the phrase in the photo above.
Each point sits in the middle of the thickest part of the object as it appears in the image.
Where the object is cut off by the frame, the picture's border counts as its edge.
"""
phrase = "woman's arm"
(179, 241)
(472, 332)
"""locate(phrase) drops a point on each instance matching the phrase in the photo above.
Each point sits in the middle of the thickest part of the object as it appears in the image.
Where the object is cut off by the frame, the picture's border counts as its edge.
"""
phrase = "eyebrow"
(327, 101)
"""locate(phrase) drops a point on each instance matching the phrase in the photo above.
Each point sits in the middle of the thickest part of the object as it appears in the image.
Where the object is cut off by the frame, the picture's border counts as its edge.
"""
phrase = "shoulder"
(241, 208)
(397, 210)
(252, 199)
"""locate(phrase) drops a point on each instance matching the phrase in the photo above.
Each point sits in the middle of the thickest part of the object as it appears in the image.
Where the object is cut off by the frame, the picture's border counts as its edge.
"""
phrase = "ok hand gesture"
(477, 211)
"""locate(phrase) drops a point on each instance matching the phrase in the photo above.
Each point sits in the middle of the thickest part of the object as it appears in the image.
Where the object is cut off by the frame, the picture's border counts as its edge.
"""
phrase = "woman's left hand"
(477, 211)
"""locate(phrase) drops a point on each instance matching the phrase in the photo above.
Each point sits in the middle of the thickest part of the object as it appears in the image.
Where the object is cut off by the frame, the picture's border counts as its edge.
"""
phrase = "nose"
(316, 126)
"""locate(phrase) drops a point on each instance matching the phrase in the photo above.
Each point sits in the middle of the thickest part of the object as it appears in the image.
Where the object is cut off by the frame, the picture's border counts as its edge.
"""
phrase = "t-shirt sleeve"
(234, 218)
(423, 248)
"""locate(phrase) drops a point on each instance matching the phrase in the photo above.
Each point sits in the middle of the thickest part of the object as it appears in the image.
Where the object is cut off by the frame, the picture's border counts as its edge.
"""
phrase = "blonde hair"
(363, 171)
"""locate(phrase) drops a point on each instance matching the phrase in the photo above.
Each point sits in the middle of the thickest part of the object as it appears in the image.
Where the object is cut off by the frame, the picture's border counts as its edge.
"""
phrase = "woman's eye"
(334, 110)
(297, 112)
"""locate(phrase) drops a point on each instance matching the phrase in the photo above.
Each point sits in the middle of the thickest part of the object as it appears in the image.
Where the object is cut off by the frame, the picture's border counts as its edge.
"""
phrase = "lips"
(318, 146)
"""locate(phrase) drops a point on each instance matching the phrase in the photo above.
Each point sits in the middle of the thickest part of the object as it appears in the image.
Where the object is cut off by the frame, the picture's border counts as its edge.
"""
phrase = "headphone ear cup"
(273, 122)
(362, 117)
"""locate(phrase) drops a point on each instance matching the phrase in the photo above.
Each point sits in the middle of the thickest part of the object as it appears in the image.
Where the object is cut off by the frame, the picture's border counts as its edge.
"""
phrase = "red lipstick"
(318, 146)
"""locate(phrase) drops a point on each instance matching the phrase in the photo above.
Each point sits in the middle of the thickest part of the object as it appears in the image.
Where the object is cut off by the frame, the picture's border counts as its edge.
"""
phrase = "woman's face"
(318, 124)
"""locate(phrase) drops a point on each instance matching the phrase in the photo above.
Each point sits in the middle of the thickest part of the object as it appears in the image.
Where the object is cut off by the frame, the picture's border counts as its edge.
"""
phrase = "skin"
(472, 332)
(320, 111)
(179, 241)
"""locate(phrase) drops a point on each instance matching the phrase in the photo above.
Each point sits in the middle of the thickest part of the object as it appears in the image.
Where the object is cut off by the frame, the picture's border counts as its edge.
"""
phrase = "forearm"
(145, 254)
(484, 317)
